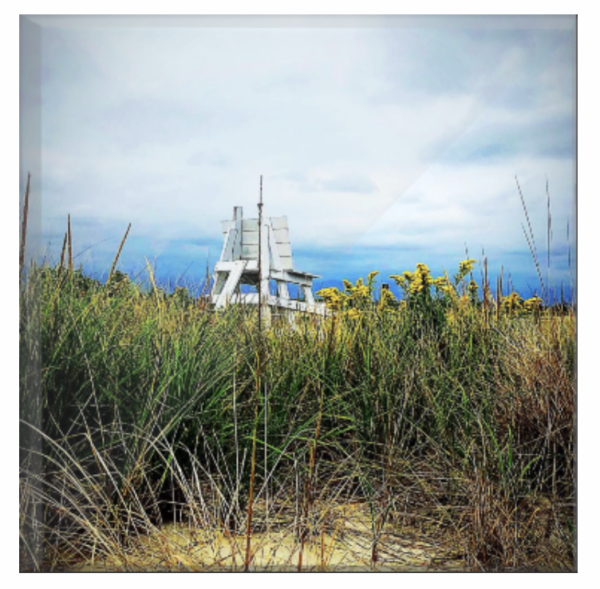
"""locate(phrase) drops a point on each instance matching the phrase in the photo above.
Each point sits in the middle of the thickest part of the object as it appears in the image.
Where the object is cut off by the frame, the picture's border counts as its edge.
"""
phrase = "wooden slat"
(285, 250)
(250, 252)
(250, 225)
(250, 238)
(279, 223)
(282, 235)
(286, 262)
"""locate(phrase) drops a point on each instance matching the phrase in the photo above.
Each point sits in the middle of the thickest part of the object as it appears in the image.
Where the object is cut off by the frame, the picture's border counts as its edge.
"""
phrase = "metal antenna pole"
(257, 393)
(260, 349)
(260, 268)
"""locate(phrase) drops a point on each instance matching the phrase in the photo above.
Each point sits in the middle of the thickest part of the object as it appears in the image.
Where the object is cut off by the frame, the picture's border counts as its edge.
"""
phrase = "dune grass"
(444, 418)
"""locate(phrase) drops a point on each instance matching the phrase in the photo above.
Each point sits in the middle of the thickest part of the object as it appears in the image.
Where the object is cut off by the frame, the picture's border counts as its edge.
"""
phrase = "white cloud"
(389, 137)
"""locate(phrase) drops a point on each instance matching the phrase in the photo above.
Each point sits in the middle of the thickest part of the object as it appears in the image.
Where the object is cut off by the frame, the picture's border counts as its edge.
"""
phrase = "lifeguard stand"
(238, 265)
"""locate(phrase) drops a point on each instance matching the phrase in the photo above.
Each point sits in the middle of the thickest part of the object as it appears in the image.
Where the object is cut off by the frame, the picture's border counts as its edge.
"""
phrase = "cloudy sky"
(386, 141)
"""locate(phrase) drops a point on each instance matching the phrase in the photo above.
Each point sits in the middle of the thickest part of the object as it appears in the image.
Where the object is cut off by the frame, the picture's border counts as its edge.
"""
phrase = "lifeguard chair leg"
(231, 284)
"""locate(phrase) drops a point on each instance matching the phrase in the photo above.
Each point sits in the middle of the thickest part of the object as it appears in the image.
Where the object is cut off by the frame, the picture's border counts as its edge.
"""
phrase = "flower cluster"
(415, 282)
(441, 282)
(443, 286)
(416, 287)
(334, 298)
(353, 314)
(371, 279)
(466, 266)
(472, 289)
(512, 303)
(403, 280)
(358, 292)
(356, 299)
(421, 280)
(533, 304)
(386, 300)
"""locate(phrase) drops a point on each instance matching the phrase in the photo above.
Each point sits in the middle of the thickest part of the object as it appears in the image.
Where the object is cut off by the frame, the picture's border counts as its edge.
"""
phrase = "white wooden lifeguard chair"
(239, 265)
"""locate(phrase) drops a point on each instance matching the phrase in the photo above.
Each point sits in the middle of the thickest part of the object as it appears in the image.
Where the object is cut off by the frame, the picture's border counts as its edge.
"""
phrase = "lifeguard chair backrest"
(249, 239)
(245, 247)
(281, 233)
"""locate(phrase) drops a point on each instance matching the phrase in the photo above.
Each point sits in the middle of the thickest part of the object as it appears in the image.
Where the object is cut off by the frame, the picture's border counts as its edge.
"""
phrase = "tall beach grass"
(446, 418)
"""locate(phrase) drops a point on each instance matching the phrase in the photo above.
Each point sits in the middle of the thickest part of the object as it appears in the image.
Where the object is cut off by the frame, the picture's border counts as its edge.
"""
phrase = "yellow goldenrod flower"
(353, 314)
(533, 304)
(416, 286)
(401, 281)
(334, 298)
(387, 299)
(512, 303)
(466, 266)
